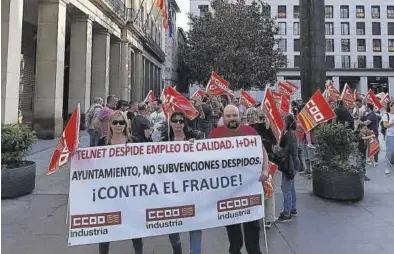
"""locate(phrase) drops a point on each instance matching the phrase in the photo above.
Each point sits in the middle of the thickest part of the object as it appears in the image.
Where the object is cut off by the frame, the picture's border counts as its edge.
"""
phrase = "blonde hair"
(126, 130)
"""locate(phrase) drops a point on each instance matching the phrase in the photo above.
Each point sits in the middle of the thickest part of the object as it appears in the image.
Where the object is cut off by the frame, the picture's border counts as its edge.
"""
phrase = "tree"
(236, 41)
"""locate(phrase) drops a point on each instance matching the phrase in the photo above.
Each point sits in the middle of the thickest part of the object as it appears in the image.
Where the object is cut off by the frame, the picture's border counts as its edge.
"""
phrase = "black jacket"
(288, 161)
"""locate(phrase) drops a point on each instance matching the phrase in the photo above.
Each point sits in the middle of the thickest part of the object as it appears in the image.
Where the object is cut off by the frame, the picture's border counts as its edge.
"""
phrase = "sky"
(182, 20)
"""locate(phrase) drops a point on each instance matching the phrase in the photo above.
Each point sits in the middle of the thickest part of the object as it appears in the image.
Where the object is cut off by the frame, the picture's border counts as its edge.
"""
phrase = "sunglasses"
(120, 122)
(180, 121)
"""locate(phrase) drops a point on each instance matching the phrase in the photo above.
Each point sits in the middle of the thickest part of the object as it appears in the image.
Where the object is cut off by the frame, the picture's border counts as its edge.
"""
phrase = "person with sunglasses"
(178, 130)
(388, 123)
(118, 133)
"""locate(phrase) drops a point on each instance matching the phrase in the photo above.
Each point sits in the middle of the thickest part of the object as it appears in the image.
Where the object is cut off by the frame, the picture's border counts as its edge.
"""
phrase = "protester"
(132, 111)
(205, 124)
(358, 112)
(371, 120)
(388, 123)
(101, 120)
(264, 130)
(177, 130)
(362, 136)
(343, 116)
(90, 115)
(141, 126)
(232, 128)
(118, 133)
(123, 106)
(157, 117)
(289, 165)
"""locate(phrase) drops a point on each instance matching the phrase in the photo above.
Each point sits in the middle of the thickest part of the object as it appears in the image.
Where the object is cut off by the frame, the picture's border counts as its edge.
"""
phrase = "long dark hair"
(290, 122)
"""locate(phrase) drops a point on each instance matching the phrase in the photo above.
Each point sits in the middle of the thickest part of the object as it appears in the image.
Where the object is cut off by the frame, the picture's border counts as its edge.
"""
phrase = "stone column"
(131, 72)
(114, 69)
(391, 86)
(124, 72)
(80, 65)
(11, 40)
(363, 85)
(48, 97)
(100, 64)
(336, 83)
(138, 76)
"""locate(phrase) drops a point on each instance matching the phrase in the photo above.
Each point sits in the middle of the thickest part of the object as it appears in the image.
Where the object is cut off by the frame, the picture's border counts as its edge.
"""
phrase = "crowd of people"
(119, 122)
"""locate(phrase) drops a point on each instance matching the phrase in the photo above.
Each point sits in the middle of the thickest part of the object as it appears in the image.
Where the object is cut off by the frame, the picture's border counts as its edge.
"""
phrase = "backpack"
(89, 115)
(382, 128)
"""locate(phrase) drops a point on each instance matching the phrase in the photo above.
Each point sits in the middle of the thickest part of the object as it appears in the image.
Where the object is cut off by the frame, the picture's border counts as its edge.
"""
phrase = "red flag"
(267, 184)
(373, 147)
(272, 112)
(285, 104)
(198, 95)
(347, 96)
(173, 101)
(371, 98)
(357, 95)
(315, 112)
(160, 4)
(68, 143)
(246, 100)
(287, 87)
(385, 100)
(150, 97)
(331, 93)
(218, 86)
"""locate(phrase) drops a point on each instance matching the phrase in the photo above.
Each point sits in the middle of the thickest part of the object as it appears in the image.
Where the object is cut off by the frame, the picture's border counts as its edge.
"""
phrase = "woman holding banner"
(119, 133)
(178, 130)
(388, 123)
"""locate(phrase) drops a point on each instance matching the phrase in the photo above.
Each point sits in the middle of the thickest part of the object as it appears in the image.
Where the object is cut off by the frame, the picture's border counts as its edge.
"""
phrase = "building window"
(362, 61)
(297, 61)
(391, 45)
(344, 11)
(360, 28)
(282, 45)
(203, 10)
(266, 10)
(390, 12)
(296, 28)
(360, 45)
(391, 61)
(329, 10)
(296, 11)
(390, 28)
(284, 61)
(360, 13)
(329, 28)
(377, 62)
(376, 28)
(297, 45)
(329, 45)
(377, 45)
(345, 61)
(330, 62)
(345, 43)
(375, 11)
(282, 28)
(345, 28)
(282, 11)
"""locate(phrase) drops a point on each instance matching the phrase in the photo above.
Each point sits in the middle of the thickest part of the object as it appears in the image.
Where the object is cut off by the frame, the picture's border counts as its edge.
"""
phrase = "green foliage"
(16, 142)
(337, 148)
(236, 41)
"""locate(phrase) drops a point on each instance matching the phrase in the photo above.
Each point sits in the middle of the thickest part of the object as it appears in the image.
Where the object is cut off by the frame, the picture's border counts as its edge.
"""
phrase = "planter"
(338, 185)
(18, 181)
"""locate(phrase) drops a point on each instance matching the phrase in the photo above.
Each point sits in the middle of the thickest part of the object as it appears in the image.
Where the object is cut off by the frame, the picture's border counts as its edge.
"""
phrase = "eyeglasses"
(120, 122)
(180, 121)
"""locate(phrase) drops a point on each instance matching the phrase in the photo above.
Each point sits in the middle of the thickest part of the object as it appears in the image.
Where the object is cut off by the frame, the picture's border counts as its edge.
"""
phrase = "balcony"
(133, 19)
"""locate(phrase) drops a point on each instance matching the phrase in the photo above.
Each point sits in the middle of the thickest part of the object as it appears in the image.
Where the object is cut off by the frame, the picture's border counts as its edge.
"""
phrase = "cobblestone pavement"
(35, 224)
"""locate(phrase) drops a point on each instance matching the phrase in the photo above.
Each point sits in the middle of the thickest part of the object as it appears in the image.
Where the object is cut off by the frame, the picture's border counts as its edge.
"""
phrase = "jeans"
(289, 194)
(138, 246)
(252, 237)
(195, 241)
(137, 243)
(94, 137)
(390, 149)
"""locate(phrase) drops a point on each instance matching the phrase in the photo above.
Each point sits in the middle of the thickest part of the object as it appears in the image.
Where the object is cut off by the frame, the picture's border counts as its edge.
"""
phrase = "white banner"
(145, 189)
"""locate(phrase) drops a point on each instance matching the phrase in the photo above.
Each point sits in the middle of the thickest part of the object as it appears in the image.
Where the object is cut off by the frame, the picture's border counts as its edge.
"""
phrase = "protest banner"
(145, 189)
(246, 100)
(272, 112)
(217, 86)
(347, 96)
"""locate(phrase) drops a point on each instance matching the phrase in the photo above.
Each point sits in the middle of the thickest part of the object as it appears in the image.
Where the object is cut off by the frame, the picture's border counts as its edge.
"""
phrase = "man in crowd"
(141, 127)
(371, 120)
(157, 118)
(101, 120)
(358, 112)
(232, 127)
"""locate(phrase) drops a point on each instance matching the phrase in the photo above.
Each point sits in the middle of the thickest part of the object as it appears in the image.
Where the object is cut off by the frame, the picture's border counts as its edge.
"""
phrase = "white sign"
(145, 189)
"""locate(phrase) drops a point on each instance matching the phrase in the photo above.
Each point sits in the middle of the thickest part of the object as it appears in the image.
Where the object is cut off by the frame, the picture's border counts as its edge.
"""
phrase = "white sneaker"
(387, 171)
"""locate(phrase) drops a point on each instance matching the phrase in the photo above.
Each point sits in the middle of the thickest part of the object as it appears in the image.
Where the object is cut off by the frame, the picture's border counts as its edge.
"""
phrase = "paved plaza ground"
(35, 224)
